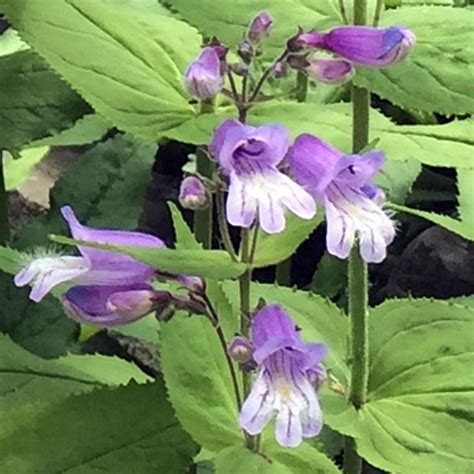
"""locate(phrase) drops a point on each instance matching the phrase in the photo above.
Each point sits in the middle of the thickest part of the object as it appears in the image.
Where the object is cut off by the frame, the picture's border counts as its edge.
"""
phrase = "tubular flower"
(284, 386)
(203, 78)
(109, 288)
(343, 184)
(250, 156)
(260, 26)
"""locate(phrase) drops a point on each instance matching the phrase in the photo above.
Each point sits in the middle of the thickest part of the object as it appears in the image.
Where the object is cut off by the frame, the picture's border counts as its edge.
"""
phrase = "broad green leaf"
(330, 277)
(11, 43)
(18, 170)
(41, 328)
(128, 429)
(34, 101)
(463, 228)
(185, 239)
(437, 76)
(420, 410)
(274, 248)
(88, 129)
(146, 329)
(239, 460)
(204, 263)
(466, 197)
(10, 260)
(199, 382)
(132, 72)
(230, 21)
(440, 145)
(319, 319)
(30, 384)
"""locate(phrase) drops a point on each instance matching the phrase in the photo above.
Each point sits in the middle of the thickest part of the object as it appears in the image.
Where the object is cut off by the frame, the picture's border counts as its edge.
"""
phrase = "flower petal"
(46, 273)
(241, 207)
(258, 409)
(295, 198)
(288, 429)
(340, 232)
(271, 214)
(358, 170)
(313, 163)
(275, 136)
(329, 71)
(221, 136)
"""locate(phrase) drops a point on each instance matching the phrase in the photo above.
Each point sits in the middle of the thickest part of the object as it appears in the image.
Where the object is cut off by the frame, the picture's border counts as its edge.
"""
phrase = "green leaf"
(11, 43)
(146, 329)
(274, 248)
(319, 319)
(129, 429)
(436, 77)
(330, 277)
(230, 21)
(466, 197)
(41, 328)
(420, 410)
(18, 170)
(30, 384)
(132, 72)
(34, 101)
(199, 382)
(463, 228)
(239, 460)
(10, 260)
(204, 263)
(439, 145)
(185, 239)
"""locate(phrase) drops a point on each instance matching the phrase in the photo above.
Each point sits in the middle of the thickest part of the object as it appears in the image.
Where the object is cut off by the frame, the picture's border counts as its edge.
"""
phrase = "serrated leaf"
(465, 183)
(463, 228)
(441, 145)
(10, 260)
(419, 414)
(203, 263)
(185, 239)
(18, 170)
(29, 384)
(93, 424)
(437, 76)
(274, 248)
(132, 74)
(199, 382)
(34, 101)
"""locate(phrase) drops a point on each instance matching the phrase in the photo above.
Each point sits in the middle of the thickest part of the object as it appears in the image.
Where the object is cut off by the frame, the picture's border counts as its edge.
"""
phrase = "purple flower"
(193, 194)
(203, 78)
(240, 349)
(259, 26)
(283, 386)
(352, 202)
(250, 156)
(371, 47)
(327, 70)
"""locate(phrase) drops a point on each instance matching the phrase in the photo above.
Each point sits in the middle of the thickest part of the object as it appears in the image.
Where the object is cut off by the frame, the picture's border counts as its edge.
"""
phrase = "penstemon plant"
(251, 376)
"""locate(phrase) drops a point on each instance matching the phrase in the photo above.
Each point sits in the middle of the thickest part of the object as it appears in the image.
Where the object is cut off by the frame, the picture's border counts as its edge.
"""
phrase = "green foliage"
(10, 260)
(440, 145)
(330, 277)
(419, 415)
(274, 248)
(185, 239)
(199, 383)
(107, 431)
(132, 74)
(17, 171)
(437, 76)
(29, 385)
(42, 328)
(465, 180)
(34, 101)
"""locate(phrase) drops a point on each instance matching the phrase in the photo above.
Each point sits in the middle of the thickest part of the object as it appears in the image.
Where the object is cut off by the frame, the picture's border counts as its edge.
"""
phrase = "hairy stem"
(358, 274)
(4, 224)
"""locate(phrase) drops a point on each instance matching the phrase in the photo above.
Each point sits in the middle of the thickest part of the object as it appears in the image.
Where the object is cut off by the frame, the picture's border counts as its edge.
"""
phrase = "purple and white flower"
(203, 78)
(368, 46)
(284, 386)
(343, 183)
(250, 156)
(109, 288)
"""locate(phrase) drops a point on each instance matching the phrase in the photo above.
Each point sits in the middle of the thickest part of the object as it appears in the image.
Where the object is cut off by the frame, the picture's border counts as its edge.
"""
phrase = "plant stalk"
(358, 274)
(4, 224)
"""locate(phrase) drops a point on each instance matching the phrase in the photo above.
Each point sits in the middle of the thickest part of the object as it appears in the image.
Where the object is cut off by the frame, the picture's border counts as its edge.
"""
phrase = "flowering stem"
(4, 224)
(301, 86)
(358, 274)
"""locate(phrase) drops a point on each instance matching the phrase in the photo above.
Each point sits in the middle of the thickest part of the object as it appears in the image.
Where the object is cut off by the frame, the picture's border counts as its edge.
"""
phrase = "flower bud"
(203, 78)
(219, 47)
(240, 349)
(132, 305)
(280, 69)
(193, 283)
(246, 51)
(259, 27)
(193, 194)
(329, 71)
(305, 40)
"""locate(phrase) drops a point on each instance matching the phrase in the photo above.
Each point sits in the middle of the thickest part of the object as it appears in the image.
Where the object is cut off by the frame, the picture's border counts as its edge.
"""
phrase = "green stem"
(203, 219)
(301, 86)
(223, 227)
(358, 274)
(342, 9)
(4, 224)
(378, 12)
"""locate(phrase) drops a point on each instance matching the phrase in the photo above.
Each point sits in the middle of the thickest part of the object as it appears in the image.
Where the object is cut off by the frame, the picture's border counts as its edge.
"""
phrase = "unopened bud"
(193, 194)
(193, 283)
(305, 40)
(132, 305)
(246, 51)
(328, 71)
(240, 349)
(203, 78)
(280, 69)
(259, 27)
(219, 47)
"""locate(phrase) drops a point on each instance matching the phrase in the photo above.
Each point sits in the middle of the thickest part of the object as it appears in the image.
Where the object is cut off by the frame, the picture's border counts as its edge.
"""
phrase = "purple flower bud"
(329, 71)
(203, 78)
(305, 40)
(219, 47)
(280, 69)
(259, 27)
(246, 51)
(134, 304)
(193, 283)
(193, 194)
(371, 47)
(240, 349)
